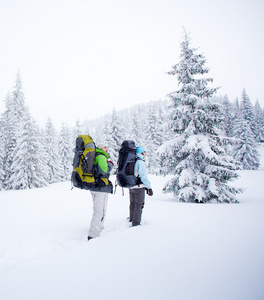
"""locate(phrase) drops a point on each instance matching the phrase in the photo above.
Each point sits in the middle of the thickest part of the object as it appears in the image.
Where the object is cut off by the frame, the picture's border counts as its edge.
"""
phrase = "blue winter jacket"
(141, 171)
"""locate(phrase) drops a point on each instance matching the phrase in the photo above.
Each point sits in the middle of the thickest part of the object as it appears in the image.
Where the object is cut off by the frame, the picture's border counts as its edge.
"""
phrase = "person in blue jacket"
(137, 192)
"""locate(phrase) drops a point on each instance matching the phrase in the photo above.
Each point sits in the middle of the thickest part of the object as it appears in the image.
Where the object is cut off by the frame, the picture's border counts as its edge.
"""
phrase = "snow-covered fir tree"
(65, 152)
(18, 99)
(28, 165)
(154, 137)
(103, 135)
(245, 150)
(137, 131)
(228, 115)
(236, 110)
(116, 137)
(97, 133)
(247, 111)
(259, 118)
(1, 155)
(76, 131)
(1, 169)
(50, 143)
(200, 166)
(12, 117)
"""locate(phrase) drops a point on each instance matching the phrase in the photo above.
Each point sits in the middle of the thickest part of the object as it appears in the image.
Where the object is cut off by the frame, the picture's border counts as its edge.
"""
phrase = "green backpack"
(83, 163)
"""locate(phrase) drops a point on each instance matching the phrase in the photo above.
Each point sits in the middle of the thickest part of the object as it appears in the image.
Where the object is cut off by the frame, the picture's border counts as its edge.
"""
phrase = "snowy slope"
(182, 251)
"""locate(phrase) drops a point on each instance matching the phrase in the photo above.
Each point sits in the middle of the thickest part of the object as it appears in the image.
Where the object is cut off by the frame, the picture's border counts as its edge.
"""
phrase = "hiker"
(137, 192)
(102, 168)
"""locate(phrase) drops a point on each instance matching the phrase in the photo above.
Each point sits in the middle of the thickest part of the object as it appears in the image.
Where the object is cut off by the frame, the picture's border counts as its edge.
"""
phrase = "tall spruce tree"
(1, 170)
(200, 166)
(65, 152)
(77, 130)
(153, 131)
(12, 116)
(259, 117)
(1, 154)
(105, 135)
(228, 114)
(247, 111)
(116, 136)
(28, 165)
(54, 165)
(135, 129)
(245, 150)
(236, 110)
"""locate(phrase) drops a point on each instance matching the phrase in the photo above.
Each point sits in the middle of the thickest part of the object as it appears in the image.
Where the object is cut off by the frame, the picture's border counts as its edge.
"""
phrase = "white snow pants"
(99, 211)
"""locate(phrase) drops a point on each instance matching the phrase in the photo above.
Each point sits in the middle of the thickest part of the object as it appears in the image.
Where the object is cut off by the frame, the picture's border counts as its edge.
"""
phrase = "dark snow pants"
(137, 200)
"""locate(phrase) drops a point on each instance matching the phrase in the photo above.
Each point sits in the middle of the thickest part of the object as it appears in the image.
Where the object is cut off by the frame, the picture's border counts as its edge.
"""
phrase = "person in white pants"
(102, 169)
(99, 211)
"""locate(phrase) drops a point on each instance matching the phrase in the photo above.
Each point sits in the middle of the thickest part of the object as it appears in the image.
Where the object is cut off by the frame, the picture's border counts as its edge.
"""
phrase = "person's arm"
(142, 173)
(102, 165)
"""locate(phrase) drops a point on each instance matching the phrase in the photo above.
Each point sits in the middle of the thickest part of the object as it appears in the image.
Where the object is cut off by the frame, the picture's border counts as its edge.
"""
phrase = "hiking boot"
(89, 238)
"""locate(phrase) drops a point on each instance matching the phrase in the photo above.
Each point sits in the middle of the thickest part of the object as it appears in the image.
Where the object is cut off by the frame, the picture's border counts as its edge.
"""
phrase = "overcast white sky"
(81, 58)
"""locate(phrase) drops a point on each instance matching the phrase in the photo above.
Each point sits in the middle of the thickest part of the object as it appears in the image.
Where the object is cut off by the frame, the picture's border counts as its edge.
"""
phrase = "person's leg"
(138, 207)
(99, 210)
(132, 204)
(104, 209)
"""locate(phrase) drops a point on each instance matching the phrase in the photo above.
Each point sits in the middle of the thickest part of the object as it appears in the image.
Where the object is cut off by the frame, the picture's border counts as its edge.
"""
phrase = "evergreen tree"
(76, 131)
(1, 170)
(105, 135)
(115, 137)
(245, 151)
(128, 121)
(54, 166)
(154, 137)
(28, 165)
(9, 139)
(1, 155)
(236, 110)
(98, 133)
(65, 152)
(137, 131)
(200, 166)
(229, 117)
(247, 111)
(165, 121)
(15, 110)
(259, 117)
(18, 99)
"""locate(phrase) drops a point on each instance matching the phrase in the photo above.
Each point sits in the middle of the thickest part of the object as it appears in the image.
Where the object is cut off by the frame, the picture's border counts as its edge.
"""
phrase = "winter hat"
(102, 145)
(140, 149)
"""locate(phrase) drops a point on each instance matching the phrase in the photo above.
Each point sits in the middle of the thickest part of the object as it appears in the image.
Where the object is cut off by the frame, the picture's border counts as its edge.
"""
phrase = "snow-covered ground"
(182, 251)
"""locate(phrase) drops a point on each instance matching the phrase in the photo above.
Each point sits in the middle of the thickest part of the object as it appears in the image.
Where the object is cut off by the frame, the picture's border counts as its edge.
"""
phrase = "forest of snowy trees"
(199, 138)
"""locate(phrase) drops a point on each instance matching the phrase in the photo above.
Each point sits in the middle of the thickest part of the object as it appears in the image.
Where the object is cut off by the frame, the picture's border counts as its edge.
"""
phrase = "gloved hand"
(110, 165)
(149, 192)
(109, 161)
